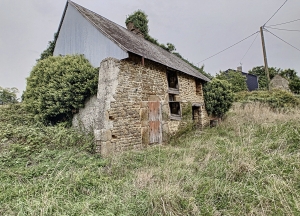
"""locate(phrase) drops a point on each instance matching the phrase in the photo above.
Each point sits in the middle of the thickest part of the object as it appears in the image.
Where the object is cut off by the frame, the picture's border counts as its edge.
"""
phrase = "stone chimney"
(130, 26)
(239, 69)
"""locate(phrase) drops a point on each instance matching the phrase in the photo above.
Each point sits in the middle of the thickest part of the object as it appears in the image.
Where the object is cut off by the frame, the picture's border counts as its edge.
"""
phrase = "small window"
(199, 91)
(171, 97)
(175, 108)
(173, 80)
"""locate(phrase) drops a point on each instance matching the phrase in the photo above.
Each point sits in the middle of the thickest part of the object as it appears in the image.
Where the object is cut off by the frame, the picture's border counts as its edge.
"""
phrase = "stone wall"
(119, 114)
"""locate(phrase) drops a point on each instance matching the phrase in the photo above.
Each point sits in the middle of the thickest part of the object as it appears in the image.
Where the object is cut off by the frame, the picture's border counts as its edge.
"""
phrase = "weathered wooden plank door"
(155, 122)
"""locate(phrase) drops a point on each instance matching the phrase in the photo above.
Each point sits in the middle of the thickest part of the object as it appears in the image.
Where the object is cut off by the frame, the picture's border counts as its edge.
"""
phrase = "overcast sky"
(197, 28)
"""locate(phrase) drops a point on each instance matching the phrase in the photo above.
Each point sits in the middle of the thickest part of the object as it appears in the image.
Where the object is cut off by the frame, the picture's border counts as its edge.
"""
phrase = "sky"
(198, 29)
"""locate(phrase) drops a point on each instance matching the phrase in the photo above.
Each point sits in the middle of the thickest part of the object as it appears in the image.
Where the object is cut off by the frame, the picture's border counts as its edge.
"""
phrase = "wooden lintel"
(143, 60)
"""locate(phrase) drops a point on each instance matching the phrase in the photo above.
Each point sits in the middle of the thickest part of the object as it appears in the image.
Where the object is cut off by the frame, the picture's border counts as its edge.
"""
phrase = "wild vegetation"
(248, 165)
(58, 86)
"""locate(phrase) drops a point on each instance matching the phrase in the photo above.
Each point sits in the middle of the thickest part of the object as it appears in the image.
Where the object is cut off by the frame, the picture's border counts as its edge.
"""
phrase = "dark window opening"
(173, 80)
(114, 137)
(111, 118)
(175, 108)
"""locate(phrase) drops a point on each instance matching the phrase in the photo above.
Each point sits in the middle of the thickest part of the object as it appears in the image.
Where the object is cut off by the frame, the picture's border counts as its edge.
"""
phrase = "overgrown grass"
(248, 165)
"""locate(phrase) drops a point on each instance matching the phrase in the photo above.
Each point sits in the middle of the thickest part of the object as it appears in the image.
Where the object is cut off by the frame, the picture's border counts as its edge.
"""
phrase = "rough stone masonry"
(135, 106)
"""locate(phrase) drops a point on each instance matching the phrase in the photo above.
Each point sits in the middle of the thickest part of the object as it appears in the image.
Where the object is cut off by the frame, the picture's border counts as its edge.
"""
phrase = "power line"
(284, 23)
(283, 40)
(276, 12)
(228, 47)
(284, 29)
(249, 47)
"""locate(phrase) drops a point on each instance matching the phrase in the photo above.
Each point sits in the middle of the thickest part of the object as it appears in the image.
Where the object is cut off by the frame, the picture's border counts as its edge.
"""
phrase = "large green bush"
(218, 97)
(58, 87)
(236, 79)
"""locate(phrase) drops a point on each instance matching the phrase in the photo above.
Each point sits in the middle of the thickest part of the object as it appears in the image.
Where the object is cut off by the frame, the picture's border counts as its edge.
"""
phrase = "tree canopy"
(294, 85)
(58, 86)
(236, 79)
(289, 74)
(8, 95)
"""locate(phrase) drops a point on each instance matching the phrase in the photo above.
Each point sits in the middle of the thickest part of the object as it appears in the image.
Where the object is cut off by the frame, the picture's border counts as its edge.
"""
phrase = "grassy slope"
(249, 165)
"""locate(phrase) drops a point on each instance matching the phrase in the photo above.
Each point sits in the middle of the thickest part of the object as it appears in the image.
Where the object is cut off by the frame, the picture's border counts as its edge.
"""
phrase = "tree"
(50, 49)
(58, 86)
(8, 95)
(236, 79)
(294, 85)
(262, 78)
(218, 97)
(290, 74)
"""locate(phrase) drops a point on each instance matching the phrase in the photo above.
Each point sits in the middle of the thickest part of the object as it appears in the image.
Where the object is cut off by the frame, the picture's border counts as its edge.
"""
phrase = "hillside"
(249, 165)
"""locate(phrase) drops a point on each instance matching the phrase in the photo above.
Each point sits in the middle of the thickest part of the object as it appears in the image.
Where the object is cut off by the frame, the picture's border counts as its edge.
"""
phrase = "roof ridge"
(130, 42)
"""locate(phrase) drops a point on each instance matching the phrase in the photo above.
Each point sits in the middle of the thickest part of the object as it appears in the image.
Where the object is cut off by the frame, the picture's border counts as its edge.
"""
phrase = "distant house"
(143, 90)
(278, 82)
(251, 80)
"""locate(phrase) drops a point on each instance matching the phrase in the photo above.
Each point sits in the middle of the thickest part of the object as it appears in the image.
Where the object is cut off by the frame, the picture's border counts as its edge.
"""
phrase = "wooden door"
(155, 122)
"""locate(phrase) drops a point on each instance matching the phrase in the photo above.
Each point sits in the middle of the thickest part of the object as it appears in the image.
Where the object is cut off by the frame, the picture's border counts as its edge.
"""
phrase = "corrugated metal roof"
(131, 42)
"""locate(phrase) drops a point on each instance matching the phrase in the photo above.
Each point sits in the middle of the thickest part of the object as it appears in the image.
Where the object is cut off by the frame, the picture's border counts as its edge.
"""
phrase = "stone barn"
(145, 93)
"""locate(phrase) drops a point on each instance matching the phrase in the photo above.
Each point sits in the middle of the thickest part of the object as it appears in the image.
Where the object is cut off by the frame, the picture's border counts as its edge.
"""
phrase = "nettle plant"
(58, 86)
(218, 96)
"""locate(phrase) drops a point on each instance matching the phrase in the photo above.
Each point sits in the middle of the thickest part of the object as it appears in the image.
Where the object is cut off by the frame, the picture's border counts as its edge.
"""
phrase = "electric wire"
(276, 12)
(284, 23)
(228, 47)
(291, 30)
(283, 40)
(249, 48)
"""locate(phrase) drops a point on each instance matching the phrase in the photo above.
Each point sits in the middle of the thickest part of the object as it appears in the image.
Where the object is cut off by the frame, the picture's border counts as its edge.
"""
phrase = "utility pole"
(265, 55)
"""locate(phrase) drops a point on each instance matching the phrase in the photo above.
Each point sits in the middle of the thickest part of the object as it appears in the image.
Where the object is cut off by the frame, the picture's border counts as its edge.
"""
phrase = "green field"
(248, 165)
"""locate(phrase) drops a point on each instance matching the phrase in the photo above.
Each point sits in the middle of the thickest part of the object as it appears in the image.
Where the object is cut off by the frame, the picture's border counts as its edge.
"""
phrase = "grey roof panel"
(131, 42)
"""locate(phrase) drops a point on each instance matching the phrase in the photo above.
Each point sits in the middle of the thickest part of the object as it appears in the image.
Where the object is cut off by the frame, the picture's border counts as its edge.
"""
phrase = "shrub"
(58, 86)
(218, 97)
